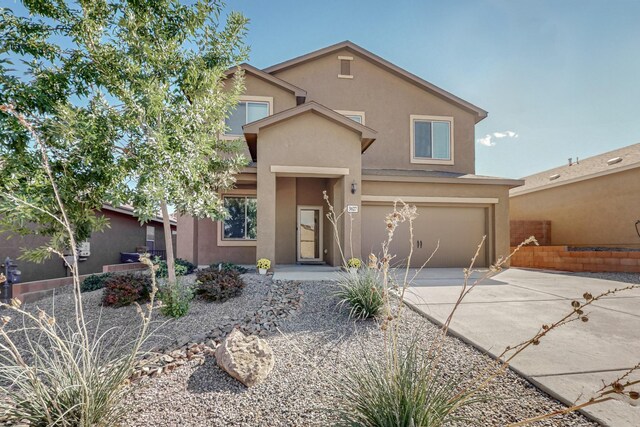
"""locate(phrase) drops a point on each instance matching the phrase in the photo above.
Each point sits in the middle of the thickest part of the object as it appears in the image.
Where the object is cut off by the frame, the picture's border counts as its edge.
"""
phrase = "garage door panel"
(459, 230)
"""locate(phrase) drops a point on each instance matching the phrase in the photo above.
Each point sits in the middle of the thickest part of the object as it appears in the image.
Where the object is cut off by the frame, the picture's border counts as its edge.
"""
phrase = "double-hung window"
(247, 111)
(241, 220)
(431, 139)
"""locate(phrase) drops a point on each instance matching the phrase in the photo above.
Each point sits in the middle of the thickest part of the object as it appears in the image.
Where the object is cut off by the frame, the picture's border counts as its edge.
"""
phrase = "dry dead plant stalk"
(62, 375)
(404, 214)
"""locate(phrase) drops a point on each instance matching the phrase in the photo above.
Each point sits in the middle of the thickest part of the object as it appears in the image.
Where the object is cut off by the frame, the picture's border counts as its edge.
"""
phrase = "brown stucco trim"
(299, 93)
(553, 184)
(251, 130)
(469, 179)
(383, 63)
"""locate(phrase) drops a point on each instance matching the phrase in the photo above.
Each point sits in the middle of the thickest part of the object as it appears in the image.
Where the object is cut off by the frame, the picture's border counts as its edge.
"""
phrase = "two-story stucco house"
(345, 121)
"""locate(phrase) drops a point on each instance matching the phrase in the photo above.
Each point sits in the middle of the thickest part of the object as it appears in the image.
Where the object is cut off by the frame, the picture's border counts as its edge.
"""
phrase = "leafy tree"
(166, 63)
(135, 103)
(55, 93)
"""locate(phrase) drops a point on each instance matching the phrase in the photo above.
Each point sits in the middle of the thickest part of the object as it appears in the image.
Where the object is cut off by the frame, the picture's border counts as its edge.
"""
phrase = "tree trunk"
(168, 243)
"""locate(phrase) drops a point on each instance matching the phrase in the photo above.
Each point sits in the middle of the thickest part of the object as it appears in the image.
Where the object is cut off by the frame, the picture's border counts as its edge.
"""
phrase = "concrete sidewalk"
(572, 361)
(302, 273)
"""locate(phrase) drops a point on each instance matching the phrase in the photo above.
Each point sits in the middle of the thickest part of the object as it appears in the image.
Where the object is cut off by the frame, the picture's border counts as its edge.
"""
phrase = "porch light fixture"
(354, 187)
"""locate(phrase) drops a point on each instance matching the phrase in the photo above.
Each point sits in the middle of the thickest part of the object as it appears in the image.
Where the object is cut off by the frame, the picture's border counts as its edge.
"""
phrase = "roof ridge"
(389, 66)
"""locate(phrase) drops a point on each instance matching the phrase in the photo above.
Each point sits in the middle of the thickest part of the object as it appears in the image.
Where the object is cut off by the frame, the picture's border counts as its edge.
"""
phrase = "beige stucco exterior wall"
(282, 99)
(308, 140)
(599, 211)
(387, 101)
(285, 220)
(497, 244)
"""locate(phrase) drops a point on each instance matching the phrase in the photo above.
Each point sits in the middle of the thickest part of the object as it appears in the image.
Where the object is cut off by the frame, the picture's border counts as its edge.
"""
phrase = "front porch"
(293, 227)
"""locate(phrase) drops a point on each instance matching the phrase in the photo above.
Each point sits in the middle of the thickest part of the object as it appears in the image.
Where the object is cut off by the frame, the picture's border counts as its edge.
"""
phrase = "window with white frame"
(150, 241)
(247, 111)
(431, 139)
(241, 220)
(356, 116)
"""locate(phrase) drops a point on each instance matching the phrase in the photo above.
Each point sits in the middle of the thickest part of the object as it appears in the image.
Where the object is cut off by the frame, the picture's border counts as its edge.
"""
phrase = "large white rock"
(248, 359)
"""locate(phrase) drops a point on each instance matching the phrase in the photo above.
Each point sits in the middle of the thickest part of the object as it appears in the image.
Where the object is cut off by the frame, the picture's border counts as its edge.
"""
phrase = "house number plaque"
(352, 208)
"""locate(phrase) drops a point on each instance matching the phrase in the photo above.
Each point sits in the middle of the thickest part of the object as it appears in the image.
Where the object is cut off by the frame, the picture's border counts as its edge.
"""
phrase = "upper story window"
(249, 110)
(431, 139)
(356, 116)
(345, 67)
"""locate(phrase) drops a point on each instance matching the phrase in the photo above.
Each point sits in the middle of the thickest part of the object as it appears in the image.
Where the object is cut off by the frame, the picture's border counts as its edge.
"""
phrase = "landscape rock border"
(282, 301)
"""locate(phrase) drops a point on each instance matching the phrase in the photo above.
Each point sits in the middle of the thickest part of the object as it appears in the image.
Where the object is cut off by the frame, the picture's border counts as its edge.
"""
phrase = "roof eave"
(298, 92)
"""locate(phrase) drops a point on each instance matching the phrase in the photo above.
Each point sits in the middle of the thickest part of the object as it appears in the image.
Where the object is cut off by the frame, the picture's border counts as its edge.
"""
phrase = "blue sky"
(564, 75)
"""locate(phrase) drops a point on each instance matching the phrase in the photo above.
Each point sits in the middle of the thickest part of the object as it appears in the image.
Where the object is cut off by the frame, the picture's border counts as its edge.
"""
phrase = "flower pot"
(262, 270)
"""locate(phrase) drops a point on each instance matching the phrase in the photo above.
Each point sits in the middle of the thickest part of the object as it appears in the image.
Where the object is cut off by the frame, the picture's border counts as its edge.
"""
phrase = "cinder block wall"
(523, 229)
(563, 259)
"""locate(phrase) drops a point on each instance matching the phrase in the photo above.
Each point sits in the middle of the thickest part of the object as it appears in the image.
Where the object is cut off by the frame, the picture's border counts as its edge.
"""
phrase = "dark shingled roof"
(584, 169)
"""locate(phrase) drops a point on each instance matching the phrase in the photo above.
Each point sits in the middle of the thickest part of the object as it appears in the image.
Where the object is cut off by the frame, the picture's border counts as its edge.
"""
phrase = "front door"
(309, 233)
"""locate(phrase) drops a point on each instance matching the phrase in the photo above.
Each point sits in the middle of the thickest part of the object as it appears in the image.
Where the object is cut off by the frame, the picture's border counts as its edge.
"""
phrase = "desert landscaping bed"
(313, 342)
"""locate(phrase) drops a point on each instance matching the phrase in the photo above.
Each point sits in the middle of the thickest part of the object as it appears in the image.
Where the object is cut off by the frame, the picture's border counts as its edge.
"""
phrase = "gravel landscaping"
(312, 346)
(313, 342)
(123, 323)
(633, 278)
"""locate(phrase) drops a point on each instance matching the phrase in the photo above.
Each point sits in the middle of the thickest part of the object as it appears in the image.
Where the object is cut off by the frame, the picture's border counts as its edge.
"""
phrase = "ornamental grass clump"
(361, 292)
(54, 372)
(405, 391)
(406, 385)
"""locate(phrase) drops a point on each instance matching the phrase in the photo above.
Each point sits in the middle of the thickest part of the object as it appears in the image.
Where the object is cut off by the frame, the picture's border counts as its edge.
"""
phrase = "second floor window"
(431, 138)
(245, 112)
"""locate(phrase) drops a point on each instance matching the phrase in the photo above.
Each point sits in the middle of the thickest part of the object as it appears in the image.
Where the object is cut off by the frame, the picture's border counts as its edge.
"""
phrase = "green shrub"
(125, 289)
(190, 267)
(176, 299)
(94, 282)
(163, 272)
(362, 292)
(403, 389)
(218, 285)
(228, 266)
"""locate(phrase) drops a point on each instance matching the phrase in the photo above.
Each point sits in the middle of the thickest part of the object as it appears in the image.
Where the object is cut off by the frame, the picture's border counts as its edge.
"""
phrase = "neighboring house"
(125, 234)
(590, 202)
(345, 121)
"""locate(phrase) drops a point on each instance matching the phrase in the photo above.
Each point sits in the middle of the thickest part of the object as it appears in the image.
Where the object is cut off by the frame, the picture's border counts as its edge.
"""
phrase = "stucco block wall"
(596, 212)
(562, 259)
(522, 230)
(387, 101)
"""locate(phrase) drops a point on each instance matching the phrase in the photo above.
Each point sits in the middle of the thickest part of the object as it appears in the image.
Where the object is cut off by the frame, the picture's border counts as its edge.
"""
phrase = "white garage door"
(459, 230)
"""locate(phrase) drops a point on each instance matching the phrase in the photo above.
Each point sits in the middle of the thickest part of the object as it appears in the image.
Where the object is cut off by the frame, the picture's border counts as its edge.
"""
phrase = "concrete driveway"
(572, 361)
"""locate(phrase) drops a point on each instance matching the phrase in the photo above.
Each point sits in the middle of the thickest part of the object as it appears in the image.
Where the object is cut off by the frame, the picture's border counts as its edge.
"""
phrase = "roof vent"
(555, 176)
(614, 161)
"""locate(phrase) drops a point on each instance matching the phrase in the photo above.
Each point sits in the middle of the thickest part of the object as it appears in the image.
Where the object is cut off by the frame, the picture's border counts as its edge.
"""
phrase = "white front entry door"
(309, 233)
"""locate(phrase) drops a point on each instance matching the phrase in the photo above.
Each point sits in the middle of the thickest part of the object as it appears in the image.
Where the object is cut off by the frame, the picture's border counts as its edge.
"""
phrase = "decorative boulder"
(248, 359)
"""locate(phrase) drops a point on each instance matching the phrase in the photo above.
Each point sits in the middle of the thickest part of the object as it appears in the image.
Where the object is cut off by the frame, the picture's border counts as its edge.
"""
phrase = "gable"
(349, 49)
(325, 119)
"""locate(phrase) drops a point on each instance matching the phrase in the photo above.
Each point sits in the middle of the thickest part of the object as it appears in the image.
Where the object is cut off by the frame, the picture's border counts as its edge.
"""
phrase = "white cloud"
(487, 140)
